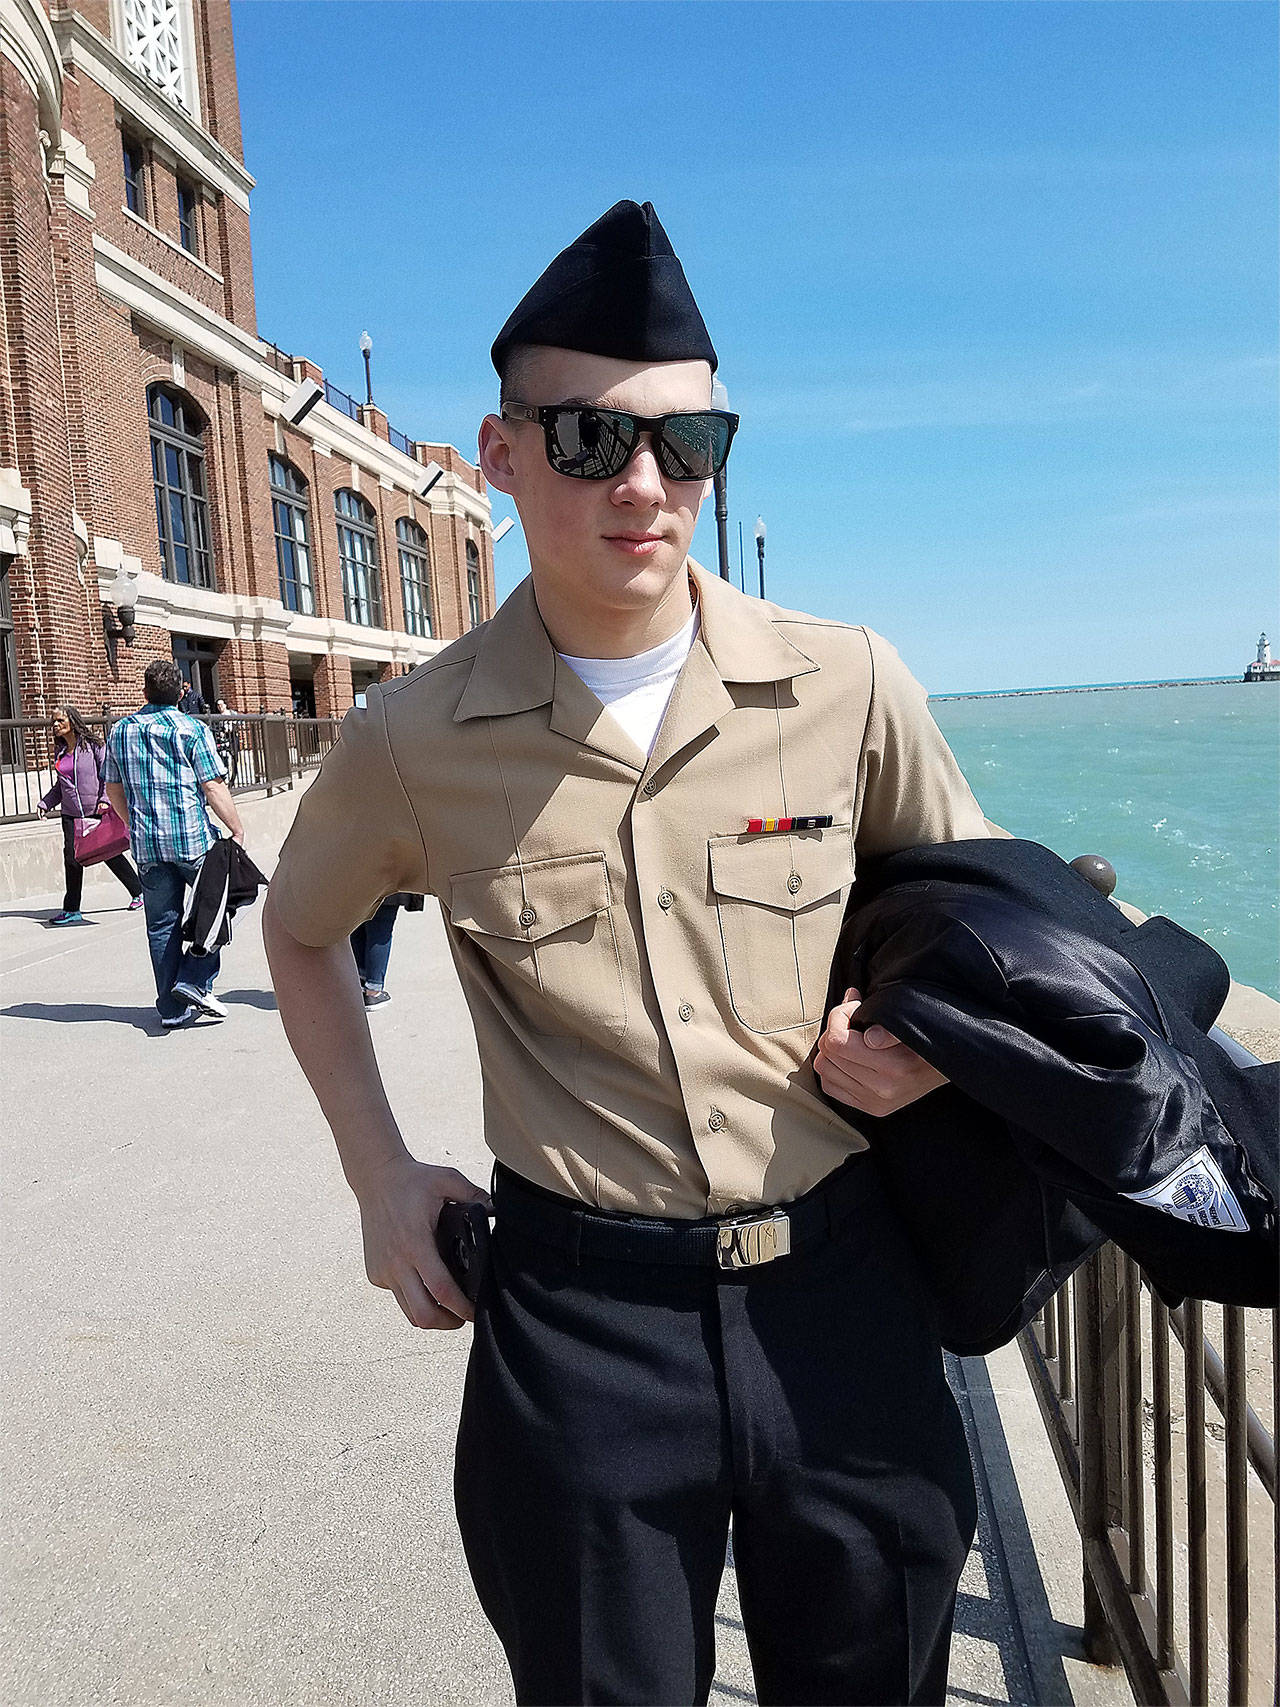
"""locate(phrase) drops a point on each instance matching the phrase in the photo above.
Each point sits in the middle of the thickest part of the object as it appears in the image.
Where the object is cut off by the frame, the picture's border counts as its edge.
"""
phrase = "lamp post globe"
(366, 350)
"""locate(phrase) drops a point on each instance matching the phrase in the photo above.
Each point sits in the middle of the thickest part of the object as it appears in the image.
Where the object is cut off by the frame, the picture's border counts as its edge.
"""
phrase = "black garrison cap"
(618, 290)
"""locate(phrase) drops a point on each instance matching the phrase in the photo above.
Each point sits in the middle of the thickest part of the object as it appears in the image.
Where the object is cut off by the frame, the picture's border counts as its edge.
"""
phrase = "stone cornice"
(173, 311)
(239, 616)
(90, 51)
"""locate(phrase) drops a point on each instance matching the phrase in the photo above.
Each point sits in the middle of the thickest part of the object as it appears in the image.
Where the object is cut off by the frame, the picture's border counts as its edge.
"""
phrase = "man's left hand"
(870, 1070)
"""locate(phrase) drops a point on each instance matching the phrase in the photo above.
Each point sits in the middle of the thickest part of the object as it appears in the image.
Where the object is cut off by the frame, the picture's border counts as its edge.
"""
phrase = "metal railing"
(1176, 1506)
(399, 440)
(343, 401)
(277, 358)
(260, 751)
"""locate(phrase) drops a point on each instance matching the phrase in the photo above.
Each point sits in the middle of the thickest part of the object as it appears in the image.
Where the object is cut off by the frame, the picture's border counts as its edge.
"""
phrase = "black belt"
(742, 1240)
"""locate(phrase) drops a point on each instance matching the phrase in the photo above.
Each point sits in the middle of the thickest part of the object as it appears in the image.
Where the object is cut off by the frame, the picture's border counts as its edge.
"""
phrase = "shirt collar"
(515, 663)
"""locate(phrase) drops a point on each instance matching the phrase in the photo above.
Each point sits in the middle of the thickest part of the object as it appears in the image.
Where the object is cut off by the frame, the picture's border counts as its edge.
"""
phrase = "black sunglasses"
(589, 443)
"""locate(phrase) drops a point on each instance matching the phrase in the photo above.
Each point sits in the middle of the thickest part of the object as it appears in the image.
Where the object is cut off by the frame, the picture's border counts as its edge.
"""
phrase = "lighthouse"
(1264, 669)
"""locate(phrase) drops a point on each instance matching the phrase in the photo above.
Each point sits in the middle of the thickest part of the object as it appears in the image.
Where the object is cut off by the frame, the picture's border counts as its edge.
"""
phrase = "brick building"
(155, 456)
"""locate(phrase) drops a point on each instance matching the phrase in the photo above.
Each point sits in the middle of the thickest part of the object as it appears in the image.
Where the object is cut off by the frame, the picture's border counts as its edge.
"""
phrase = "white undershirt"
(636, 690)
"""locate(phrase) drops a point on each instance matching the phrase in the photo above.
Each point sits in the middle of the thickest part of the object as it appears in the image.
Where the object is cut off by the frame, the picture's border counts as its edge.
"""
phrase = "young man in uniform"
(639, 797)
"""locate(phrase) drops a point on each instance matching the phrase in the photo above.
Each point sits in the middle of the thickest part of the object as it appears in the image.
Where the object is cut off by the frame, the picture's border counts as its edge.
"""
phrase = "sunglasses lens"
(588, 443)
(693, 447)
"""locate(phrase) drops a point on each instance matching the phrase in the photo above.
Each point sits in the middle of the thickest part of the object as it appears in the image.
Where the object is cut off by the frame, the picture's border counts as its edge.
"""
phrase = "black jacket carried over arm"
(227, 879)
(1085, 1098)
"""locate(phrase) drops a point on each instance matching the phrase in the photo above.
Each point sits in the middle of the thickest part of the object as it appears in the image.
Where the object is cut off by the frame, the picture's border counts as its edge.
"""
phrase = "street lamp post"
(720, 400)
(760, 531)
(366, 350)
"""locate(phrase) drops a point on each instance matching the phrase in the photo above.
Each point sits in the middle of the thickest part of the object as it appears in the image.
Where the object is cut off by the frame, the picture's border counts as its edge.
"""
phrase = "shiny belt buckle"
(747, 1240)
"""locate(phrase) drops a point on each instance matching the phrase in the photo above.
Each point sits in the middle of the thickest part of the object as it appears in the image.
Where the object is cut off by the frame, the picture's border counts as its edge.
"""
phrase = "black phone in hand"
(462, 1238)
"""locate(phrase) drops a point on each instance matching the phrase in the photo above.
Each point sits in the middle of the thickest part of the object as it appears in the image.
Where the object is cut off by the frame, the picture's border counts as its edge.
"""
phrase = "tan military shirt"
(646, 977)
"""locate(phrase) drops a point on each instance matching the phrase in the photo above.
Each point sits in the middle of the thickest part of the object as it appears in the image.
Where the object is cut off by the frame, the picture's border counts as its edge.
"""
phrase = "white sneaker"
(201, 1001)
(178, 1019)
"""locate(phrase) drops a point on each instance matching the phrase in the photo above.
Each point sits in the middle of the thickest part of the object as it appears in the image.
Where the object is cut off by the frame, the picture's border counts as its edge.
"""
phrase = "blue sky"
(993, 284)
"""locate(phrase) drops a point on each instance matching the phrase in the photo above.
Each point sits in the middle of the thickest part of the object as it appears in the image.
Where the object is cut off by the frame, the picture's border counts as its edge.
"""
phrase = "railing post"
(1099, 1383)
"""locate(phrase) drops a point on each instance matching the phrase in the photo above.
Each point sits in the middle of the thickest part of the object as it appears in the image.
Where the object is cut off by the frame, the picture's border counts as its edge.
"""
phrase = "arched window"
(177, 472)
(291, 513)
(473, 584)
(358, 554)
(415, 571)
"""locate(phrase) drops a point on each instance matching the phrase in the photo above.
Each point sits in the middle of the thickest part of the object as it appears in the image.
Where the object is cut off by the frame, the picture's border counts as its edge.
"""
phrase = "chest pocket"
(780, 900)
(550, 923)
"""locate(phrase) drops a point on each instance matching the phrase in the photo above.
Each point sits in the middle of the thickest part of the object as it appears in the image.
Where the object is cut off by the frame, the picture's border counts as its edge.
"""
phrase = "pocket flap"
(554, 894)
(788, 872)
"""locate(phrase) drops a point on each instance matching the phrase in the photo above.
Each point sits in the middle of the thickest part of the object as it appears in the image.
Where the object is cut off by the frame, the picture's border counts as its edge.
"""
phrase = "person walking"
(78, 792)
(191, 700)
(226, 737)
(640, 797)
(371, 945)
(162, 771)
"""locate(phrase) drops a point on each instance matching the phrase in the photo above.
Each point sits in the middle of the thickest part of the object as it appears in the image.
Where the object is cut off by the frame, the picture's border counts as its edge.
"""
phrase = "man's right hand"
(399, 1207)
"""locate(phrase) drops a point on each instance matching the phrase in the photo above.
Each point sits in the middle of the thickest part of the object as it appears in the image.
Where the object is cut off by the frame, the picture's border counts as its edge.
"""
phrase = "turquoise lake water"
(1179, 787)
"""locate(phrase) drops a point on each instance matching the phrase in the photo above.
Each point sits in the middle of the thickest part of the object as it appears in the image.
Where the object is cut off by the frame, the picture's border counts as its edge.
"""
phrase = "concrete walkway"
(227, 1458)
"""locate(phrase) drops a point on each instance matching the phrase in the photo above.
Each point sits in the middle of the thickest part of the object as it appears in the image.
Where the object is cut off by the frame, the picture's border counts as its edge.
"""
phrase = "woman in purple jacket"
(78, 792)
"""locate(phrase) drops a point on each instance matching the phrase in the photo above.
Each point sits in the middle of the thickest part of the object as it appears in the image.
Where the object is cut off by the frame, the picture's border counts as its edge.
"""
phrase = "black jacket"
(227, 879)
(1085, 1099)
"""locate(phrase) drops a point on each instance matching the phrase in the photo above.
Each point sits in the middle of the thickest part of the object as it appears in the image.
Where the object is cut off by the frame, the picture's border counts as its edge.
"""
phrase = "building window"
(187, 229)
(135, 183)
(198, 661)
(290, 511)
(358, 554)
(177, 472)
(473, 583)
(415, 569)
(155, 33)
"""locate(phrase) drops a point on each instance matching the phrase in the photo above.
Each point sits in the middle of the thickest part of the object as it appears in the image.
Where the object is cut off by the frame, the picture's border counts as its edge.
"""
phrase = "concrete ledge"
(31, 854)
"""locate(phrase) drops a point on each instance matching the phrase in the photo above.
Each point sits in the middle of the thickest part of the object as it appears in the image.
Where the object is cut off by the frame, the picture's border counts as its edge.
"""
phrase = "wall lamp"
(123, 594)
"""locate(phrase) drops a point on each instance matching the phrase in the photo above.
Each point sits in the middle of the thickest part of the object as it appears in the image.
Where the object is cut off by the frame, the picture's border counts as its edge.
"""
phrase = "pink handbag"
(100, 838)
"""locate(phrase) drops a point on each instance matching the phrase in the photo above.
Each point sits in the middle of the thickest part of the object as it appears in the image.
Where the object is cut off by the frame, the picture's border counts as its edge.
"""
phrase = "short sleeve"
(205, 758)
(354, 840)
(912, 791)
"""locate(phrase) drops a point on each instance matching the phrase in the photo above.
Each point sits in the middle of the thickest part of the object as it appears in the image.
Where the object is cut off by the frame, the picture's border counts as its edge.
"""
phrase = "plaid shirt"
(160, 756)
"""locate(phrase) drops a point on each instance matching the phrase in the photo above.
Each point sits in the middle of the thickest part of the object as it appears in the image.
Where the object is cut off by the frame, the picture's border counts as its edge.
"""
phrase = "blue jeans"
(164, 888)
(371, 945)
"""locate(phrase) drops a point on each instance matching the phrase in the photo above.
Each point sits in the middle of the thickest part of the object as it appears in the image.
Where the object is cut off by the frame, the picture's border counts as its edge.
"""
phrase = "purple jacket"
(78, 799)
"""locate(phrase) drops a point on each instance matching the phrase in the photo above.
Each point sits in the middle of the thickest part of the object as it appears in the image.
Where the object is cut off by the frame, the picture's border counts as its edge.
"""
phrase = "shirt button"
(685, 1011)
(665, 898)
(794, 881)
(650, 787)
(715, 1120)
(527, 917)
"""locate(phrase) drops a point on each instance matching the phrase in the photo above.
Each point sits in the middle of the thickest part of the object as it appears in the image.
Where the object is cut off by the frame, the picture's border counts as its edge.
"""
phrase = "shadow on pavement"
(44, 916)
(262, 999)
(76, 1013)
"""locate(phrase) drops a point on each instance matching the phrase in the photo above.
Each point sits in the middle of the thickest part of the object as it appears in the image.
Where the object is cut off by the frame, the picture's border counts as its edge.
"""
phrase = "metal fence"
(343, 401)
(399, 440)
(259, 752)
(1171, 1471)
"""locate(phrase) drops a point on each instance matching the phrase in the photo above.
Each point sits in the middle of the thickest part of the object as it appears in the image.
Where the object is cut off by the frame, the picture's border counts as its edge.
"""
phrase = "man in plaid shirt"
(162, 770)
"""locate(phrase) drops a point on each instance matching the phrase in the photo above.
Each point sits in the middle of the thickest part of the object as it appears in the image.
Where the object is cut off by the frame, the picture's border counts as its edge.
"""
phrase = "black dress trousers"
(619, 1417)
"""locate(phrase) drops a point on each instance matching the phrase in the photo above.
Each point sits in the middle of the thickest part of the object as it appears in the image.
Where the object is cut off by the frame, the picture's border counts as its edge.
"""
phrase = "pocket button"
(794, 881)
(528, 917)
